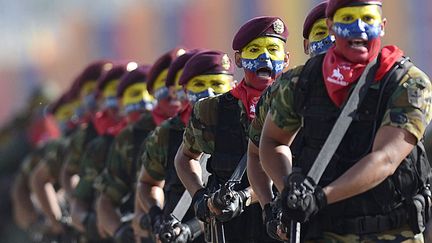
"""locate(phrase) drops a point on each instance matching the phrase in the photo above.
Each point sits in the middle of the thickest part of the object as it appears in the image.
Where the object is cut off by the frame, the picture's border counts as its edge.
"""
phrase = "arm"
(108, 216)
(79, 212)
(391, 146)
(23, 209)
(258, 179)
(40, 181)
(189, 169)
(149, 191)
(275, 153)
(68, 180)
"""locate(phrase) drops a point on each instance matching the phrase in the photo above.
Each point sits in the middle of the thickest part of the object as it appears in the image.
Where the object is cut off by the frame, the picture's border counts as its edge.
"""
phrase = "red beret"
(116, 72)
(162, 63)
(257, 27)
(206, 62)
(178, 64)
(92, 72)
(334, 5)
(318, 12)
(138, 75)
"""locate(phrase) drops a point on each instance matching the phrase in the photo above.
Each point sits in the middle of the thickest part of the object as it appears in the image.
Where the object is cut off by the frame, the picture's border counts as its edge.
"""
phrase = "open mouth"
(264, 72)
(358, 43)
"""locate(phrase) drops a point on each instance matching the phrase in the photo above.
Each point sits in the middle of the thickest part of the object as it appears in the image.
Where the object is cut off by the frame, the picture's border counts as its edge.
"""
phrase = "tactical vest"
(230, 141)
(382, 206)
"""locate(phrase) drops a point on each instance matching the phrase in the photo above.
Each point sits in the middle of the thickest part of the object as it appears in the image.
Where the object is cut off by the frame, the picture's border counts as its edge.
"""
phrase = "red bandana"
(249, 97)
(339, 74)
(158, 116)
(186, 113)
(106, 124)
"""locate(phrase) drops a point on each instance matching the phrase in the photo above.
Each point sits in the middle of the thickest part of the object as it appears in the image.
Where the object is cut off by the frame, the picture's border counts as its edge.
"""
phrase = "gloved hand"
(199, 203)
(124, 234)
(231, 203)
(152, 220)
(271, 220)
(300, 201)
(174, 231)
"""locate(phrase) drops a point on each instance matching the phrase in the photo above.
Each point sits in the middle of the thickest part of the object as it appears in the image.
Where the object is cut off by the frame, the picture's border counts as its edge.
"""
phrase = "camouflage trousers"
(403, 234)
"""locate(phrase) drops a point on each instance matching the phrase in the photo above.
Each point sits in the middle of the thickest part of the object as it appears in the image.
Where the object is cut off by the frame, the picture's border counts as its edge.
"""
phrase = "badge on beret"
(180, 52)
(278, 26)
(226, 62)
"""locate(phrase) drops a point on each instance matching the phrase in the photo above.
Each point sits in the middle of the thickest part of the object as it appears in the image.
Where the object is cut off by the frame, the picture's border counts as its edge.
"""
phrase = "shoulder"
(205, 110)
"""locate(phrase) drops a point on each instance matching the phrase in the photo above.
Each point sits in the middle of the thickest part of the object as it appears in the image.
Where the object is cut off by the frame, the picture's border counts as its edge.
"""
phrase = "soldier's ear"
(237, 59)
(306, 46)
(383, 24)
(329, 23)
(286, 59)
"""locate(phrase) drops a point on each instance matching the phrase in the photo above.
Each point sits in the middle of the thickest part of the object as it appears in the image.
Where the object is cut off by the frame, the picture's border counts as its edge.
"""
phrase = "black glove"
(124, 234)
(152, 220)
(271, 220)
(231, 203)
(199, 203)
(301, 198)
(91, 230)
(189, 231)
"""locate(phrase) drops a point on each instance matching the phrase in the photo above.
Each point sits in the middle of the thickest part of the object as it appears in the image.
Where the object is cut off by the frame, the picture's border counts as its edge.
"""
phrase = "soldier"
(316, 41)
(219, 126)
(117, 182)
(203, 74)
(85, 84)
(107, 123)
(379, 172)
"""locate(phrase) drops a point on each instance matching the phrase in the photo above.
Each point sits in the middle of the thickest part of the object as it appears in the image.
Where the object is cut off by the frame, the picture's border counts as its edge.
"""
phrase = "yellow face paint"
(220, 83)
(177, 79)
(370, 14)
(319, 31)
(160, 80)
(88, 88)
(66, 111)
(110, 89)
(135, 94)
(272, 45)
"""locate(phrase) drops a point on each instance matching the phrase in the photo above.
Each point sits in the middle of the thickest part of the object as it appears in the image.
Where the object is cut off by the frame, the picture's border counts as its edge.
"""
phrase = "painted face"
(180, 94)
(263, 59)
(160, 91)
(319, 39)
(65, 112)
(357, 31)
(88, 87)
(136, 97)
(208, 85)
(109, 94)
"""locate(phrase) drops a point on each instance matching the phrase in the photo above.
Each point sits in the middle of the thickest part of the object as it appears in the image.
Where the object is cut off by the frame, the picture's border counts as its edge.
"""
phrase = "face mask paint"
(110, 102)
(319, 39)
(357, 29)
(194, 97)
(181, 95)
(263, 60)
(161, 93)
(319, 47)
(160, 80)
(110, 89)
(90, 102)
(220, 83)
(140, 106)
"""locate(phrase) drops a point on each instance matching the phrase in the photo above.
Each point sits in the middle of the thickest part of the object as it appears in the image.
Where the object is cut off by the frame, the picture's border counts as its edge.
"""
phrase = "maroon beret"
(92, 72)
(178, 64)
(161, 64)
(334, 5)
(116, 72)
(257, 27)
(318, 12)
(138, 75)
(206, 62)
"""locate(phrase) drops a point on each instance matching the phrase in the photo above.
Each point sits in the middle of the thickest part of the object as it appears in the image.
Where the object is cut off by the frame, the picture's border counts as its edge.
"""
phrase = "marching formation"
(179, 151)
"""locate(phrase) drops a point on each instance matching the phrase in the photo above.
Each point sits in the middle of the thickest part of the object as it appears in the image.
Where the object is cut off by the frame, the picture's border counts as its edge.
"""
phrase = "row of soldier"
(135, 138)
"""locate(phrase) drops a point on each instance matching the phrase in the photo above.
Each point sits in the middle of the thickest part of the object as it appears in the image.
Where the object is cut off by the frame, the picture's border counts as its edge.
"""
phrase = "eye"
(253, 49)
(273, 48)
(199, 84)
(347, 18)
(217, 83)
(368, 18)
(135, 93)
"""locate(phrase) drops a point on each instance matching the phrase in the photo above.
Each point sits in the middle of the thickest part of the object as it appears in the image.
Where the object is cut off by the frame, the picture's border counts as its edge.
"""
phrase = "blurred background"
(45, 43)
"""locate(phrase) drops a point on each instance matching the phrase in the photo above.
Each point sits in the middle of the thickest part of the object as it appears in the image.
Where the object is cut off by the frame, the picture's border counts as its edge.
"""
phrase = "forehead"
(363, 9)
(319, 24)
(210, 77)
(265, 41)
(135, 86)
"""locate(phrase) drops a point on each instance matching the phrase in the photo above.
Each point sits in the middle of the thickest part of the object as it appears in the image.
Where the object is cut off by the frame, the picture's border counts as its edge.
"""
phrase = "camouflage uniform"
(408, 108)
(54, 155)
(118, 179)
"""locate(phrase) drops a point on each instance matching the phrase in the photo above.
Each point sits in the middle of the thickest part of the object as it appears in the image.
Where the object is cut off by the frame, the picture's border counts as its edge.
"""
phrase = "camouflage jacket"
(119, 177)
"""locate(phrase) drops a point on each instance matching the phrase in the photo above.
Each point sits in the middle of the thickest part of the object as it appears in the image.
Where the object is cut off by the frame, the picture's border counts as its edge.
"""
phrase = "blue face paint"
(111, 102)
(181, 95)
(140, 106)
(357, 29)
(194, 97)
(90, 102)
(79, 112)
(161, 93)
(319, 47)
(263, 61)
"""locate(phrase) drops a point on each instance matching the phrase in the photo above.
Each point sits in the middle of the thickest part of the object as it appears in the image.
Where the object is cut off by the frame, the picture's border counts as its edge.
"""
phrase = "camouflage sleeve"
(73, 154)
(410, 104)
(114, 181)
(156, 151)
(53, 157)
(281, 109)
(199, 133)
(92, 164)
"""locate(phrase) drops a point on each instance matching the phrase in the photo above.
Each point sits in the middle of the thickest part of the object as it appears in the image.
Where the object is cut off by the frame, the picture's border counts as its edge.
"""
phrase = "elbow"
(388, 164)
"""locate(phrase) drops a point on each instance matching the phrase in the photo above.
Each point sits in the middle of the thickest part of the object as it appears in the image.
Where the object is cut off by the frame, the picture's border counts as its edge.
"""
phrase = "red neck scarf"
(158, 116)
(186, 113)
(249, 97)
(340, 74)
(105, 124)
